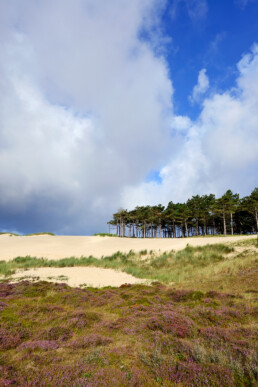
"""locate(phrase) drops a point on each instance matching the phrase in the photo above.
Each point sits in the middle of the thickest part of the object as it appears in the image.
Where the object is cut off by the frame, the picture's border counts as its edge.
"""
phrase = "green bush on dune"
(103, 234)
(40, 233)
(37, 233)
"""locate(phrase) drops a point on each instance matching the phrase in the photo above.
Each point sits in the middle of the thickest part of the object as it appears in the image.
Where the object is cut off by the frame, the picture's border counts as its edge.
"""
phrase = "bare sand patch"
(57, 247)
(78, 276)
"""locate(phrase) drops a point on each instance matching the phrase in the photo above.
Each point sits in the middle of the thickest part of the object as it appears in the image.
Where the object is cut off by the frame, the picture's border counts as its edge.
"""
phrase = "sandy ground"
(79, 276)
(56, 247)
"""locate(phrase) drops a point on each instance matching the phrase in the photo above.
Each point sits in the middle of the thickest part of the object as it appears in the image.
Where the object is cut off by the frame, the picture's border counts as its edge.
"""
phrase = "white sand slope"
(56, 247)
(78, 276)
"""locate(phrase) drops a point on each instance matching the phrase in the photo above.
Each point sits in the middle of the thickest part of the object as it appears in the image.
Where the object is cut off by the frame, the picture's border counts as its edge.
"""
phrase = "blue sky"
(214, 38)
(115, 104)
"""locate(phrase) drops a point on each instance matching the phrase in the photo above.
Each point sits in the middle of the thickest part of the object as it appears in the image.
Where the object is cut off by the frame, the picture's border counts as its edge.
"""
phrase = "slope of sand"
(78, 276)
(56, 247)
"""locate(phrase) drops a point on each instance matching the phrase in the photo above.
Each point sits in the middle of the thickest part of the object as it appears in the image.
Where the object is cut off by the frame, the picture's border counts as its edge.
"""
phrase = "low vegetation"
(201, 330)
(38, 233)
(9, 233)
(104, 234)
(138, 335)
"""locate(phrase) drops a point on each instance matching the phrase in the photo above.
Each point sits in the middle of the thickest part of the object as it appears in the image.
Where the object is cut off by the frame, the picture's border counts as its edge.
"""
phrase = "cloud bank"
(85, 109)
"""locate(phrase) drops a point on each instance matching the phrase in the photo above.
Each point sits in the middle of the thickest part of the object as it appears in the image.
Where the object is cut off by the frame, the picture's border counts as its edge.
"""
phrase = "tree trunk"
(224, 223)
(197, 227)
(231, 223)
(174, 230)
(213, 226)
(186, 229)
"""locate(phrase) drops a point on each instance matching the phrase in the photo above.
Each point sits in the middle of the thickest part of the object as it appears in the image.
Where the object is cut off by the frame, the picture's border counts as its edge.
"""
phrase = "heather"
(135, 335)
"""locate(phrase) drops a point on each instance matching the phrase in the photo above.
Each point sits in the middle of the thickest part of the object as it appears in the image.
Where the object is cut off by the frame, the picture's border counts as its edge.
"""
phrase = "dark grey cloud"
(84, 110)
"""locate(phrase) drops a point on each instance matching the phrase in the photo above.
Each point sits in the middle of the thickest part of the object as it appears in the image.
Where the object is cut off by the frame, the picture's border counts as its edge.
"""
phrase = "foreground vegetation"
(51, 334)
(200, 331)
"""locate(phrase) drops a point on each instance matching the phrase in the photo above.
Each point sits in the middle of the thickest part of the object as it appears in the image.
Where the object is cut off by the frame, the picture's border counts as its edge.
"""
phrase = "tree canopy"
(199, 215)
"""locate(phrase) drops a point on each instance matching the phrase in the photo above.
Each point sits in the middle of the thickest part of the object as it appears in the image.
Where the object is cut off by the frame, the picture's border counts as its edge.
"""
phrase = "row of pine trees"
(200, 215)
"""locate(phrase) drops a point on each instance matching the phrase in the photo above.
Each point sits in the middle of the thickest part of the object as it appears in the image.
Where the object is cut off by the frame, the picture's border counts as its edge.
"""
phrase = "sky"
(108, 105)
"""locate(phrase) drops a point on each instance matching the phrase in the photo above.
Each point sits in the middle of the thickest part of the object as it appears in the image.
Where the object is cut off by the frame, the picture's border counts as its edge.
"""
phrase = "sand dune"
(56, 247)
(78, 276)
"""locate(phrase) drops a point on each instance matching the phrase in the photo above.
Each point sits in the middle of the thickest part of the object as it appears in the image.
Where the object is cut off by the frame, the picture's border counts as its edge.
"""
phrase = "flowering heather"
(40, 344)
(57, 333)
(6, 290)
(171, 322)
(192, 374)
(184, 295)
(135, 335)
(7, 340)
(82, 319)
(91, 340)
(3, 305)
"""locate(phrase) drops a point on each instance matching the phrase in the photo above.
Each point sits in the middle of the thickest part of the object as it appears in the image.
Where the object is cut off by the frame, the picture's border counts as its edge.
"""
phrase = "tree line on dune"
(200, 215)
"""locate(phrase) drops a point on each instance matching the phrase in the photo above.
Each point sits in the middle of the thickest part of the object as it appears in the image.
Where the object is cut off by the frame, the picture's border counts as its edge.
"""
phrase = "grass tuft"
(104, 234)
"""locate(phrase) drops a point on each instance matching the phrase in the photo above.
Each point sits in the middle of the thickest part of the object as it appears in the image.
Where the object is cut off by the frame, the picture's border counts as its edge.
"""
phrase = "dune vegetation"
(192, 265)
(37, 233)
(9, 233)
(40, 233)
(195, 325)
(105, 234)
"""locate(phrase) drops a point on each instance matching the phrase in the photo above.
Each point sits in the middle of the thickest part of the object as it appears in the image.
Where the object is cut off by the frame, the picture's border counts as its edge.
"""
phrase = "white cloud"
(201, 87)
(85, 108)
(220, 151)
(181, 123)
